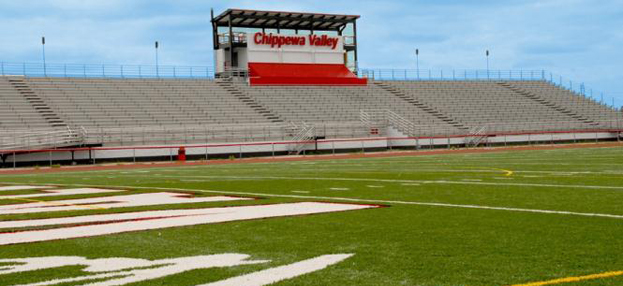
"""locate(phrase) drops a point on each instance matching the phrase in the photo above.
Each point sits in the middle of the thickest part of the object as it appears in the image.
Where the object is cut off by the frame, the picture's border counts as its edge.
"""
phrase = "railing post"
(14, 163)
(24, 69)
(140, 73)
(103, 71)
(84, 70)
(121, 68)
(2, 67)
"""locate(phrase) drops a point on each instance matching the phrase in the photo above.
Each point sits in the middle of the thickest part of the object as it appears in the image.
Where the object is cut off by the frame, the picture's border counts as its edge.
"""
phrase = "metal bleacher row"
(136, 103)
(150, 111)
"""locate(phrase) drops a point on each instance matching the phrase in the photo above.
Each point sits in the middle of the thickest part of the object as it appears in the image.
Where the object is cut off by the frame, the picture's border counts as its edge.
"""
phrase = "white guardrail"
(377, 120)
(33, 139)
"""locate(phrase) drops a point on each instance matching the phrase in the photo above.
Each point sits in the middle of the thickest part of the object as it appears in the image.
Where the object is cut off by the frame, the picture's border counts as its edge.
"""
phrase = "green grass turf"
(399, 245)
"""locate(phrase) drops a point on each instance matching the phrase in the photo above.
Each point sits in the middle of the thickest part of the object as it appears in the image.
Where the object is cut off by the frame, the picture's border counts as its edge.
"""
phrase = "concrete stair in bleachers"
(249, 100)
(421, 105)
(571, 101)
(38, 103)
(550, 104)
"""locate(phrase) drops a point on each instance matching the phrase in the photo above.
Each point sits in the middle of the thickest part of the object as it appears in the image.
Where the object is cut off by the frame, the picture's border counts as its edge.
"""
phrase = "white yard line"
(369, 201)
(392, 181)
(408, 181)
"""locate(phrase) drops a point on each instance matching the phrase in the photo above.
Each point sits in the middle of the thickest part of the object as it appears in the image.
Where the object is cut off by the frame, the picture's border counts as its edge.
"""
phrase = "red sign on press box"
(275, 40)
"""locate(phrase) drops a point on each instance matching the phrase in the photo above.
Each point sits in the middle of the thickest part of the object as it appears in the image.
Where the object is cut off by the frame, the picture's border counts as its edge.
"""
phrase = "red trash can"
(181, 154)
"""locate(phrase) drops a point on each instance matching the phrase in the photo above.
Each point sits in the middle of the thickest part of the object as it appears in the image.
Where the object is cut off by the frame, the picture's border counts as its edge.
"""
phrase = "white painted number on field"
(63, 192)
(122, 271)
(19, 188)
(136, 200)
(95, 225)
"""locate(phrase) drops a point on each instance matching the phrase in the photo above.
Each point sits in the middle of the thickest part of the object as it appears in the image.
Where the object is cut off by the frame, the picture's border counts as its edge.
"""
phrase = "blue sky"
(579, 39)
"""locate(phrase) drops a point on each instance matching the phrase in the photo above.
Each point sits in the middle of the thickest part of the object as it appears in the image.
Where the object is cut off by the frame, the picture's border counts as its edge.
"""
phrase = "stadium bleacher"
(146, 111)
(18, 112)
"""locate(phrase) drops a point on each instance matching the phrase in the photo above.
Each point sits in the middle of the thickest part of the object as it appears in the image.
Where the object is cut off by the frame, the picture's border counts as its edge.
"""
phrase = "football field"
(521, 218)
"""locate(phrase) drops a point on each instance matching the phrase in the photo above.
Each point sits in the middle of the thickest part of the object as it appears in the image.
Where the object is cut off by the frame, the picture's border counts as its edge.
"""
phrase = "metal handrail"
(40, 139)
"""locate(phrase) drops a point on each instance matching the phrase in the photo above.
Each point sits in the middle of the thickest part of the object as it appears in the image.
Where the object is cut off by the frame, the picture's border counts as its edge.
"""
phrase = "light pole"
(487, 53)
(45, 72)
(157, 68)
(417, 62)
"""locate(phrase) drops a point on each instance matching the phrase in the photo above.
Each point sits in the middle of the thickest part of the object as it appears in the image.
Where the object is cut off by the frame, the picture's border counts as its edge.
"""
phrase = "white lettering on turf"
(274, 275)
(122, 271)
(62, 192)
(151, 199)
(19, 188)
(95, 225)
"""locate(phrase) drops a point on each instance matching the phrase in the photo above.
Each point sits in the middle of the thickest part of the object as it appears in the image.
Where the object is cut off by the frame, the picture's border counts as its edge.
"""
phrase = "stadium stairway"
(538, 98)
(37, 103)
(421, 105)
(247, 99)
(587, 107)
(487, 104)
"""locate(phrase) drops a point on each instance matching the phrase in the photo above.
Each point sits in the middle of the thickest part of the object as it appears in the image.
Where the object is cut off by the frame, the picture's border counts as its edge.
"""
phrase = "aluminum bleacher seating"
(150, 111)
